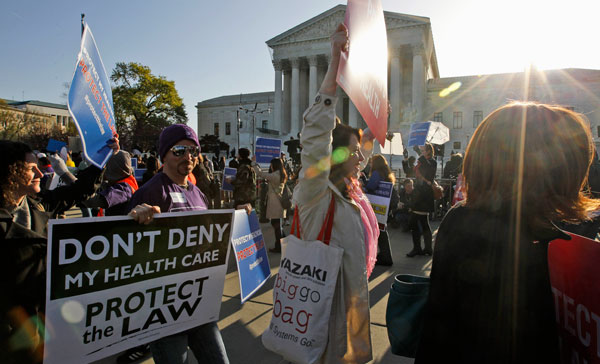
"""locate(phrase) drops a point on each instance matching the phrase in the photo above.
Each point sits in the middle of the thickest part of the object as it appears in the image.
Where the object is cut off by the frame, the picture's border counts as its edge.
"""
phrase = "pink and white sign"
(362, 73)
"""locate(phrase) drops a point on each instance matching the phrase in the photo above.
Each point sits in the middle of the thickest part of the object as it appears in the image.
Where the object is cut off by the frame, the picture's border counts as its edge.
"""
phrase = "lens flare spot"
(323, 165)
(311, 172)
(340, 155)
(450, 89)
(72, 312)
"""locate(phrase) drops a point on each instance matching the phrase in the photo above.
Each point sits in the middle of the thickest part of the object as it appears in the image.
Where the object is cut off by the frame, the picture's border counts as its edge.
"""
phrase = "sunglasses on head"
(180, 150)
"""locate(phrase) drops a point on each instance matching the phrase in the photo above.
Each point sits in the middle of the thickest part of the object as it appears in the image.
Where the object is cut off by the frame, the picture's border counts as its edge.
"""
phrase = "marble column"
(287, 81)
(352, 114)
(395, 86)
(418, 82)
(312, 78)
(295, 96)
(278, 106)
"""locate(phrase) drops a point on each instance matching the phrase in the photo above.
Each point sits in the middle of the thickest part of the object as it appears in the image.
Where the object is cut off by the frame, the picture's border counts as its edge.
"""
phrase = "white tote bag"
(303, 293)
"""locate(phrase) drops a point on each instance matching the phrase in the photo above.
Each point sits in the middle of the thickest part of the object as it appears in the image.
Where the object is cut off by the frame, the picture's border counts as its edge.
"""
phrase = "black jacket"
(478, 309)
(424, 201)
(23, 259)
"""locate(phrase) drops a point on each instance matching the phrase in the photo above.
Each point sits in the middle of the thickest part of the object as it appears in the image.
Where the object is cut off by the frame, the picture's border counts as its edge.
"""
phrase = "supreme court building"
(415, 90)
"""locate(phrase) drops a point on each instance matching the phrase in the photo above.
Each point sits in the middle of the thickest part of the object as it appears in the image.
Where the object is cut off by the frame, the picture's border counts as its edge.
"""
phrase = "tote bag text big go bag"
(303, 293)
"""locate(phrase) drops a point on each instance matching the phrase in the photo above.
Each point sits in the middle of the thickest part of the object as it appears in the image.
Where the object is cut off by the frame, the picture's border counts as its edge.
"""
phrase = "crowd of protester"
(486, 304)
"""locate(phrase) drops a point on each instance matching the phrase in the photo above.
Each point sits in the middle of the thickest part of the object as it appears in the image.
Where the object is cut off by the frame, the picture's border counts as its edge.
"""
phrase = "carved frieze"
(320, 29)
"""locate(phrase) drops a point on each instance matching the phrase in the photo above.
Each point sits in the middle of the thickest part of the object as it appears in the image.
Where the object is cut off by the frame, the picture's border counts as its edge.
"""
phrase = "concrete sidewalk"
(242, 325)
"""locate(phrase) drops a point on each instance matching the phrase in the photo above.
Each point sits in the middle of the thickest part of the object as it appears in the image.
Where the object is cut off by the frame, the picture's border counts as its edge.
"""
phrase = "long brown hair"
(277, 165)
(532, 159)
(380, 164)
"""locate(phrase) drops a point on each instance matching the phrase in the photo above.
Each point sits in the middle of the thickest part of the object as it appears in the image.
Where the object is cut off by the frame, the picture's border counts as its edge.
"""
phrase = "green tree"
(31, 127)
(212, 144)
(144, 104)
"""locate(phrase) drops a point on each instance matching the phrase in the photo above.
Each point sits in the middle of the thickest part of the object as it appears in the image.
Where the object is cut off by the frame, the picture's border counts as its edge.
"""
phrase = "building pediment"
(323, 25)
(319, 27)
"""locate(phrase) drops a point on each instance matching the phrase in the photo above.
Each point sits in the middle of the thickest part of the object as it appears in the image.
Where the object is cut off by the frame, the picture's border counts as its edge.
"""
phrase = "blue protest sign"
(55, 145)
(139, 173)
(228, 176)
(267, 149)
(418, 133)
(90, 102)
(134, 163)
(250, 253)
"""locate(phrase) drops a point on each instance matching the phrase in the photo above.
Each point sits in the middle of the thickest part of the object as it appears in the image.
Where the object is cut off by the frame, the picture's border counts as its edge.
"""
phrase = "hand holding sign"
(339, 40)
(339, 43)
(144, 213)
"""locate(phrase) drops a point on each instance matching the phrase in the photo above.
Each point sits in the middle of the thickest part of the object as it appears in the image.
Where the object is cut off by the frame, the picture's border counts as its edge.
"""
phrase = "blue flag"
(90, 102)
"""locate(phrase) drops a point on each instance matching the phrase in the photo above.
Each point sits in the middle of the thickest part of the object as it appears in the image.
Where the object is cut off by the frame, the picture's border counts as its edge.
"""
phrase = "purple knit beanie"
(172, 134)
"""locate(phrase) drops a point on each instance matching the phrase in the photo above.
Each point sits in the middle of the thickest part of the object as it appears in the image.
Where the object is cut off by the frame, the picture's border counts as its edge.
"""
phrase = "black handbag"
(405, 313)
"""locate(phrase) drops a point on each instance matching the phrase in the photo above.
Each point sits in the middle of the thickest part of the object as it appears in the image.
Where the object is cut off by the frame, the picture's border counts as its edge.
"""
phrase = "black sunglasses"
(179, 150)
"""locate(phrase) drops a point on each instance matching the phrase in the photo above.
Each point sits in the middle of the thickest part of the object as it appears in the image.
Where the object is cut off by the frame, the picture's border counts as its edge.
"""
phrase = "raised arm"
(319, 121)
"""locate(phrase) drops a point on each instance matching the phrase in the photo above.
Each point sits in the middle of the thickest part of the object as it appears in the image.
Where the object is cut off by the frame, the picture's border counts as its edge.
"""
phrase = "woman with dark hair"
(24, 215)
(423, 203)
(276, 179)
(152, 167)
(222, 163)
(490, 299)
(332, 155)
(408, 165)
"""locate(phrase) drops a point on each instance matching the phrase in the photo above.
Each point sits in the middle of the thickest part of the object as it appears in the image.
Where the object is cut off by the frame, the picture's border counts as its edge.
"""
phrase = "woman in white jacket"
(276, 178)
(331, 162)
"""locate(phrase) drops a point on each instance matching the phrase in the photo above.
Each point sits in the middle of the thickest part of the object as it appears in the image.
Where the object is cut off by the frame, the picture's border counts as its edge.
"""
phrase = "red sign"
(574, 275)
(362, 73)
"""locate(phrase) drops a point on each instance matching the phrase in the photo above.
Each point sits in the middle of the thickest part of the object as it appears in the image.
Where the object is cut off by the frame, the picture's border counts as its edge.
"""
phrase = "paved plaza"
(242, 325)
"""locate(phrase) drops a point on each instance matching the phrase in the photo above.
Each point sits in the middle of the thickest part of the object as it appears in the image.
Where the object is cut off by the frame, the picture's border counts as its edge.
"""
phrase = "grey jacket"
(349, 325)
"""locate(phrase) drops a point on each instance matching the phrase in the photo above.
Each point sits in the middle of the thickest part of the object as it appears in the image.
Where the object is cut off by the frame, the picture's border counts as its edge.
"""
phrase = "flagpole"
(82, 24)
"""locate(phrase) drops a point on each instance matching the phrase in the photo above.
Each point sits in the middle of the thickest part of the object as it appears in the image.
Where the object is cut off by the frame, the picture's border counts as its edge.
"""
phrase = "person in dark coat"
(401, 213)
(423, 203)
(408, 165)
(152, 167)
(454, 166)
(293, 146)
(490, 298)
(24, 215)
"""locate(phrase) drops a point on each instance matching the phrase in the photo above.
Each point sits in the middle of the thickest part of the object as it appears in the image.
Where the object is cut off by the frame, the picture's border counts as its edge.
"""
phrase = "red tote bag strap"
(296, 223)
(325, 233)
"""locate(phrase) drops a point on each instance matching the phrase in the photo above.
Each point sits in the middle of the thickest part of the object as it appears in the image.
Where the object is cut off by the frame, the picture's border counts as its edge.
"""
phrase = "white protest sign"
(380, 201)
(114, 284)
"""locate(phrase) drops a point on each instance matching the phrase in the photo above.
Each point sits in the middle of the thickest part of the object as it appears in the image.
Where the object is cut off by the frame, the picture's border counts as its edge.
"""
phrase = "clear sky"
(216, 48)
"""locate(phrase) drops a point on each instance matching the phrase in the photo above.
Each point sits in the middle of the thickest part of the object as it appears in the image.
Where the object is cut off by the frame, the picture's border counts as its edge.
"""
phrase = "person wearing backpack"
(276, 178)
